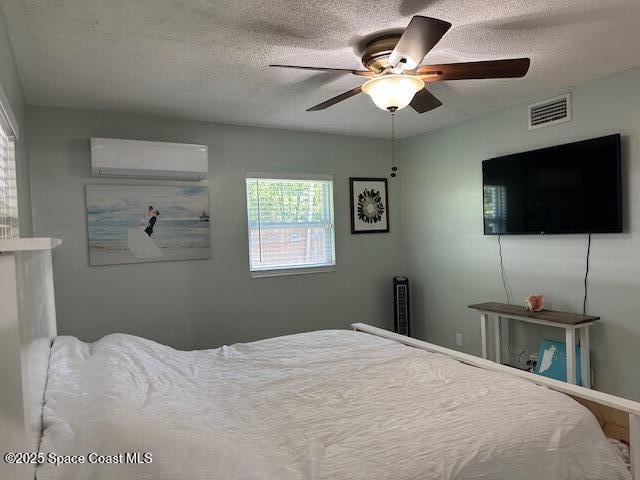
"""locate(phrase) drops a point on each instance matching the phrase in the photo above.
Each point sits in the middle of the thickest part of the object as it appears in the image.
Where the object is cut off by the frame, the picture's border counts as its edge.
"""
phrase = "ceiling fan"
(395, 78)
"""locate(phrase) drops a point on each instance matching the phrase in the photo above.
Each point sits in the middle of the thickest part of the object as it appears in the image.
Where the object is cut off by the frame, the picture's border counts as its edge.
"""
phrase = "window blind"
(291, 224)
(495, 208)
(8, 192)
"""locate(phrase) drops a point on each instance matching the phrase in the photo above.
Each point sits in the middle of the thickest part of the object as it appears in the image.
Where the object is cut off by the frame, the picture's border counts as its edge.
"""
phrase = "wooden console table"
(570, 322)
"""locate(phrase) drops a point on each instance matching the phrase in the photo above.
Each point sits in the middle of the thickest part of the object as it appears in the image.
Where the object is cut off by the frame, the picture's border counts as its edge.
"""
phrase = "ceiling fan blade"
(512, 68)
(423, 101)
(336, 99)
(420, 36)
(362, 73)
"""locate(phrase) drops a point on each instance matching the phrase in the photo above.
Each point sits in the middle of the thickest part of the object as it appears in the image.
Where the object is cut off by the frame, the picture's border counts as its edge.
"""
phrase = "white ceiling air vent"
(550, 112)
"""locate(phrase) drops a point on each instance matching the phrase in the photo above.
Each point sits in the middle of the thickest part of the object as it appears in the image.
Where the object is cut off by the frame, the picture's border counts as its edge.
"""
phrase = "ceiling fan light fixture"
(393, 92)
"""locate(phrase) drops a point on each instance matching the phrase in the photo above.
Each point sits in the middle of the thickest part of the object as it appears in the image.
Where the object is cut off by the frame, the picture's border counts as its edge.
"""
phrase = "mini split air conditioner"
(112, 157)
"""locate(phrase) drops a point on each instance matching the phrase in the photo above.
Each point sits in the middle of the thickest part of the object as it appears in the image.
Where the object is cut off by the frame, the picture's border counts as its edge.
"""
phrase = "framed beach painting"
(369, 205)
(134, 224)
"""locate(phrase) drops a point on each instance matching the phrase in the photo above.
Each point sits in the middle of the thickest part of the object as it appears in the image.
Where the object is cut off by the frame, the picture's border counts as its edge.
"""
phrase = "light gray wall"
(436, 237)
(11, 86)
(208, 302)
(452, 264)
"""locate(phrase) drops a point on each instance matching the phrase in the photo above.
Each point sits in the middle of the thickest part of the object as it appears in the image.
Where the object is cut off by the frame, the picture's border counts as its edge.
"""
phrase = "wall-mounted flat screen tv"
(571, 188)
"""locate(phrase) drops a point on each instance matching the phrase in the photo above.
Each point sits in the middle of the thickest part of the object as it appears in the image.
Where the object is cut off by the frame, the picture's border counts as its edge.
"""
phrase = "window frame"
(284, 271)
(9, 127)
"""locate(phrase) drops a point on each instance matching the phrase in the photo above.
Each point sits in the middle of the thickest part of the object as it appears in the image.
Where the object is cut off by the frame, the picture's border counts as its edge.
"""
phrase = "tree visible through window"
(291, 224)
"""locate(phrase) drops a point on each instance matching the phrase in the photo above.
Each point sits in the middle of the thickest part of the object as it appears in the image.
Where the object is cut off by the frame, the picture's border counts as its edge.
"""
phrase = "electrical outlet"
(459, 339)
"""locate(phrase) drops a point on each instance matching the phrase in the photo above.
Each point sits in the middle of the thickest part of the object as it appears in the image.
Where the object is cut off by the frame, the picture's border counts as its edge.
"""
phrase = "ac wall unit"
(113, 157)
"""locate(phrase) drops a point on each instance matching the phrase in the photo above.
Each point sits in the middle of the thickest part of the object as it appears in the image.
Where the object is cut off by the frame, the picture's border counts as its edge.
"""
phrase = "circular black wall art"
(370, 206)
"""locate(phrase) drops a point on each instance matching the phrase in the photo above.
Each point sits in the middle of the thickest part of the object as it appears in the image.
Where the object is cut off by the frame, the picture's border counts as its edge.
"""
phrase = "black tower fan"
(401, 305)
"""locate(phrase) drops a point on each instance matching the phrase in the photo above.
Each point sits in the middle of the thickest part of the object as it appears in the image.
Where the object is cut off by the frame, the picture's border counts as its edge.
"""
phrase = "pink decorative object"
(534, 303)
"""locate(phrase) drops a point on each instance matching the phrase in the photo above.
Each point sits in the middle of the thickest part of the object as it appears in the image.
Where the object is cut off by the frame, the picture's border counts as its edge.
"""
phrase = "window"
(8, 192)
(291, 227)
(495, 208)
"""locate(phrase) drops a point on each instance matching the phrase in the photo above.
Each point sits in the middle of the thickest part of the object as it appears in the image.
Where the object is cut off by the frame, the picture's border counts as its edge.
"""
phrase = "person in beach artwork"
(139, 238)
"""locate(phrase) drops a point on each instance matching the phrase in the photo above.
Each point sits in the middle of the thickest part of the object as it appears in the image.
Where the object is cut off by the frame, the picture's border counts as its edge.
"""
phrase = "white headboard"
(27, 328)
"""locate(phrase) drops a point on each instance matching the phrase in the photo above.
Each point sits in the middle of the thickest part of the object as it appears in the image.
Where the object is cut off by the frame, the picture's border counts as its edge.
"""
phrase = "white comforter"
(322, 405)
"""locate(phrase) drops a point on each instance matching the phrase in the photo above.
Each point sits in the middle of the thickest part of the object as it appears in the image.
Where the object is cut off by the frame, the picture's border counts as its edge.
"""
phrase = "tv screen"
(572, 188)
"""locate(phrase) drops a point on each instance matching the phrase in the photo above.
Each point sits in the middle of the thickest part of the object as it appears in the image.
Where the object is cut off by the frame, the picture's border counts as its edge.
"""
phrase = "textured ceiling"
(207, 59)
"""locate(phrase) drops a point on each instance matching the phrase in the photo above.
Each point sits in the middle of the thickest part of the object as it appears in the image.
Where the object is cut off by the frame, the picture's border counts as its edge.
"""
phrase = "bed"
(322, 405)
(365, 403)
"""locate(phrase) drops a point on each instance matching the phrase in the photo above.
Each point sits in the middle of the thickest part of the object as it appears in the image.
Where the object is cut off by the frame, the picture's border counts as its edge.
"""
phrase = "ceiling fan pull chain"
(394, 169)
